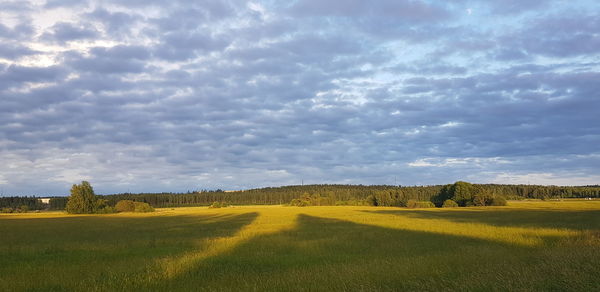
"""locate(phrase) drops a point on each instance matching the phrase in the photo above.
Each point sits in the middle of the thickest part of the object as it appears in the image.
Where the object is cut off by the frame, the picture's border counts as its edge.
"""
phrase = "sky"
(152, 95)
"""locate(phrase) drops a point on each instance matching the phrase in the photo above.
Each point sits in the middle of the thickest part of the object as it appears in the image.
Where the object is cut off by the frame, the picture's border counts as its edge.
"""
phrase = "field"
(527, 245)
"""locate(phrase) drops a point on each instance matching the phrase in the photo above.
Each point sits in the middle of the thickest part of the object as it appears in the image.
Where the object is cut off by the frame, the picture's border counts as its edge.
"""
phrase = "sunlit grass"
(523, 246)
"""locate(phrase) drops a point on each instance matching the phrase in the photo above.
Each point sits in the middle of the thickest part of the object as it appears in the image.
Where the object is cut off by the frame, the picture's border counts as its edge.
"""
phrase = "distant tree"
(58, 203)
(215, 205)
(372, 201)
(449, 204)
(446, 193)
(480, 200)
(125, 206)
(145, 207)
(382, 195)
(82, 199)
(419, 204)
(498, 201)
(463, 193)
(300, 202)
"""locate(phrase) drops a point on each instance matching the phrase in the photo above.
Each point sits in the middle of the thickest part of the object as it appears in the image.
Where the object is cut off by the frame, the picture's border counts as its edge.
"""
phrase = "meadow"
(525, 246)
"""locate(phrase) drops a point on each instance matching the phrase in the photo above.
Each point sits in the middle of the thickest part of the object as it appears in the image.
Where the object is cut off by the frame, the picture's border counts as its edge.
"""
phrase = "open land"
(527, 245)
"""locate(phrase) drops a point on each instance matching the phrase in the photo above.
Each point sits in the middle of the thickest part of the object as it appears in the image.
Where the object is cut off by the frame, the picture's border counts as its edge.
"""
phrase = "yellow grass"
(528, 245)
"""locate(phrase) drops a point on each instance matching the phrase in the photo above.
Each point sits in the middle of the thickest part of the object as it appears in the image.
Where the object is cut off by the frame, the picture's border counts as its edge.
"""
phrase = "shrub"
(106, 210)
(481, 200)
(498, 201)
(6, 210)
(449, 204)
(300, 203)
(131, 206)
(125, 206)
(353, 203)
(24, 209)
(218, 205)
(143, 207)
(372, 201)
(419, 204)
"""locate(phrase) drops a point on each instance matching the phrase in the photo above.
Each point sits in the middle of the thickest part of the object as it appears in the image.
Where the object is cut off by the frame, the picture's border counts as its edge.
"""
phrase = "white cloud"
(542, 178)
(457, 162)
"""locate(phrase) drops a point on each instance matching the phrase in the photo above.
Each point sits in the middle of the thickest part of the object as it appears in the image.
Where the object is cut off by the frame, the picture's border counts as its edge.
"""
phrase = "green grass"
(539, 246)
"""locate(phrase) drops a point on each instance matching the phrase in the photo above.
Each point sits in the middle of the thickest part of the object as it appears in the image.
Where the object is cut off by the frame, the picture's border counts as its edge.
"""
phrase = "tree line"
(384, 195)
(28, 203)
(83, 200)
(331, 194)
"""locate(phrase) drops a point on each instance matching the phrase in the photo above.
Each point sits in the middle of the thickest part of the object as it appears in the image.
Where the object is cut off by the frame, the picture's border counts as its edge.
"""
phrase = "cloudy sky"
(156, 95)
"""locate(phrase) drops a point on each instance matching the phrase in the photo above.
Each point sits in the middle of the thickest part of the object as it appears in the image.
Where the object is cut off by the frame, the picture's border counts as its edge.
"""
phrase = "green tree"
(125, 206)
(82, 199)
(480, 200)
(463, 193)
(372, 201)
(449, 204)
(446, 193)
(145, 207)
(498, 201)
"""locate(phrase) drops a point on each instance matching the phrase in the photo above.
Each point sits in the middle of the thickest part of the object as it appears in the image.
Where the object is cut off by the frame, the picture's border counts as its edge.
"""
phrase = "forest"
(322, 194)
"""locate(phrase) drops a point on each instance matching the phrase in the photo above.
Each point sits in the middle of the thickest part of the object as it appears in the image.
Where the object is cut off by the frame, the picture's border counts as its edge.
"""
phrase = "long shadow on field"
(101, 249)
(322, 254)
(527, 218)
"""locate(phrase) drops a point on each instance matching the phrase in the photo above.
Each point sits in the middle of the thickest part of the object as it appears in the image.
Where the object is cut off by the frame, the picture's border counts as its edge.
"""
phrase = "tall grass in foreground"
(524, 246)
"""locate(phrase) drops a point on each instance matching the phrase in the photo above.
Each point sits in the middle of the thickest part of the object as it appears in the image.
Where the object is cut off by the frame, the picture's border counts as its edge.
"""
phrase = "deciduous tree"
(82, 199)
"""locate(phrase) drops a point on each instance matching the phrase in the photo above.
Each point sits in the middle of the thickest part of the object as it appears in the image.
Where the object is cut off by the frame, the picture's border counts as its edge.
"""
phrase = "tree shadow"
(78, 251)
(526, 218)
(322, 254)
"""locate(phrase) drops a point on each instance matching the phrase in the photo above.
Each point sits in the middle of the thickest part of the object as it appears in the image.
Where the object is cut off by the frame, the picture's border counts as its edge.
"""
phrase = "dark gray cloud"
(15, 75)
(563, 36)
(63, 32)
(405, 10)
(21, 31)
(116, 24)
(115, 60)
(153, 96)
(183, 45)
(50, 4)
(18, 6)
(14, 51)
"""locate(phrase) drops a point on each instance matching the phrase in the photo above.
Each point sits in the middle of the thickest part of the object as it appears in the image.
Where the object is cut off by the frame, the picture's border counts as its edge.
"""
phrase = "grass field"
(524, 246)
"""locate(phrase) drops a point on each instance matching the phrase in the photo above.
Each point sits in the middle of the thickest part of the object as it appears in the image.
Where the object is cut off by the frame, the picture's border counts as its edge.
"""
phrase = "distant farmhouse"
(44, 200)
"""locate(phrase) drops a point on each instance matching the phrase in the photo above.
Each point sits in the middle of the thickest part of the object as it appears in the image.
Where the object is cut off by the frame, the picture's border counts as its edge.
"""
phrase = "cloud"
(183, 45)
(153, 96)
(15, 75)
(15, 6)
(15, 51)
(117, 24)
(404, 9)
(62, 32)
(51, 4)
(21, 31)
(114, 60)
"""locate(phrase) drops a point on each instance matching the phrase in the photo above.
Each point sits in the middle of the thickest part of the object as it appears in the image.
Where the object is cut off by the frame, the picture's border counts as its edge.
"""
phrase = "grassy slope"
(525, 246)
